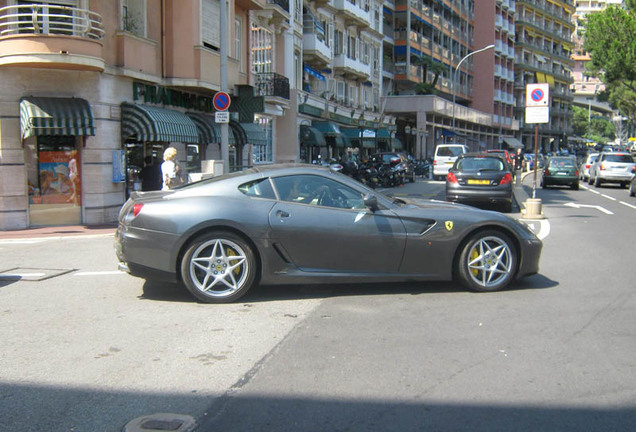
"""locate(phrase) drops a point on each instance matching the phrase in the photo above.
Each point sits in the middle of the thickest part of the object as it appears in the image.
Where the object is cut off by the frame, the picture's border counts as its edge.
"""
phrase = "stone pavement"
(58, 231)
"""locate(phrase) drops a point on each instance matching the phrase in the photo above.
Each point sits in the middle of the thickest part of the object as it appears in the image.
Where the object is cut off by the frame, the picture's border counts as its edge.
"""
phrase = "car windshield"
(619, 158)
(480, 164)
(561, 163)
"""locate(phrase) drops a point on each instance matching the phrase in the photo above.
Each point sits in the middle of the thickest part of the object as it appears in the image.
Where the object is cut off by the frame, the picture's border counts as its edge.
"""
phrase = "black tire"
(597, 181)
(544, 185)
(487, 262)
(218, 267)
(589, 180)
(632, 189)
(623, 185)
(575, 186)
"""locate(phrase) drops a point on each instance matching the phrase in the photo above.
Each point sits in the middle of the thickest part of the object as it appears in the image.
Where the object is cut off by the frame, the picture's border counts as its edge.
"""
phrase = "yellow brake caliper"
(232, 252)
(473, 256)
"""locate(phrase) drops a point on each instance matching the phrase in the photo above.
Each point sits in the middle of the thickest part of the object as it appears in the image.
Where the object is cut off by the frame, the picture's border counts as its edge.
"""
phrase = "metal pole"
(536, 160)
(225, 153)
(455, 74)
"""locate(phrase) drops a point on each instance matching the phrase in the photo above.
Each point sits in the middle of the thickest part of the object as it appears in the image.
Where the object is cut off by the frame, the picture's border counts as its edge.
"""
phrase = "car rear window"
(619, 158)
(261, 188)
(480, 164)
(450, 151)
(557, 163)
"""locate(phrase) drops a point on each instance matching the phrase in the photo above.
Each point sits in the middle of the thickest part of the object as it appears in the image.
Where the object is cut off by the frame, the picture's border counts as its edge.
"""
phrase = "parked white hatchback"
(614, 167)
(445, 157)
(584, 169)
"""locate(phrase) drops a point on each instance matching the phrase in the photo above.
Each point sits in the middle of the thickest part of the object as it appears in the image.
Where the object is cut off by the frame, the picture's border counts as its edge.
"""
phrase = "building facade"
(543, 49)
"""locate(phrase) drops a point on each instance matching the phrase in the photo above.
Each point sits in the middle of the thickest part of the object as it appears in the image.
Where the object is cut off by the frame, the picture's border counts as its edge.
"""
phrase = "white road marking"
(628, 205)
(573, 205)
(544, 227)
(608, 197)
(99, 273)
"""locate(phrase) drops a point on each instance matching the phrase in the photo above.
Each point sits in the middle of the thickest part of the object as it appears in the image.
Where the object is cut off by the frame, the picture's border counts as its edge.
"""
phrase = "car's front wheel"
(218, 267)
(488, 261)
(632, 189)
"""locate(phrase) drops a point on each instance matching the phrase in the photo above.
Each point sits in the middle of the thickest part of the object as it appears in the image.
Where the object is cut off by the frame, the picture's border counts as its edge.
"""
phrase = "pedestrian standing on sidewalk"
(518, 166)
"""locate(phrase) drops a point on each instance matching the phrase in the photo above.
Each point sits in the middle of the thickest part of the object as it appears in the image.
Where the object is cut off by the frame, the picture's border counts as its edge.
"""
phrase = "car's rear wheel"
(488, 261)
(575, 186)
(632, 189)
(218, 267)
(597, 181)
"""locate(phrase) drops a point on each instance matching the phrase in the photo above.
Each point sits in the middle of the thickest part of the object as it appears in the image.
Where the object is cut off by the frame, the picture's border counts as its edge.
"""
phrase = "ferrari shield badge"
(448, 225)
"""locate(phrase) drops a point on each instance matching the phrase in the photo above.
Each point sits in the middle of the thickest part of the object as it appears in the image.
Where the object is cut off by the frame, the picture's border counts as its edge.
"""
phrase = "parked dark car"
(481, 178)
(390, 158)
(298, 224)
(509, 156)
(560, 171)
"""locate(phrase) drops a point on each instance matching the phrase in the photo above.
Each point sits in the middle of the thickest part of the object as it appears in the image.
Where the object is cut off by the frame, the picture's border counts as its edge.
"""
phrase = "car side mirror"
(371, 201)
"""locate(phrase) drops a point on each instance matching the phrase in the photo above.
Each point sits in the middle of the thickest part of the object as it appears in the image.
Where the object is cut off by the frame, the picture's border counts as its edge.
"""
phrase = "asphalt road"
(91, 349)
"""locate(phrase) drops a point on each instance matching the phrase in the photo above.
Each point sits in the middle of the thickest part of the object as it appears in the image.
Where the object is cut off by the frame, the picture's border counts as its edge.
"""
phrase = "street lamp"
(455, 73)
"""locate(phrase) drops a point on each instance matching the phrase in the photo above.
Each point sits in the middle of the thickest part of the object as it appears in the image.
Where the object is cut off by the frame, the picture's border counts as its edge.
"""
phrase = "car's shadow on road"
(161, 291)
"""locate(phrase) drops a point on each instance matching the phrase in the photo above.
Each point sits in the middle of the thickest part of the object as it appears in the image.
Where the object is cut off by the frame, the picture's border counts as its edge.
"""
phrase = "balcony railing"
(50, 20)
(284, 4)
(272, 84)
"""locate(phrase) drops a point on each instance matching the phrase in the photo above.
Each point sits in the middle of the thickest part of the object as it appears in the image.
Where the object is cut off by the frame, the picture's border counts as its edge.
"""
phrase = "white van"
(445, 157)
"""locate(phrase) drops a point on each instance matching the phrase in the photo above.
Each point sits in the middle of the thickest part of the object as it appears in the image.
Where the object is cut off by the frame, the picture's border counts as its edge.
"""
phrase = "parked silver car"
(614, 167)
(298, 224)
(584, 169)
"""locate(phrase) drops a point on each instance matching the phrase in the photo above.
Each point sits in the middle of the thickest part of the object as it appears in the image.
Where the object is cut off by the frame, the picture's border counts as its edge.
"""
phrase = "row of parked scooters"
(374, 172)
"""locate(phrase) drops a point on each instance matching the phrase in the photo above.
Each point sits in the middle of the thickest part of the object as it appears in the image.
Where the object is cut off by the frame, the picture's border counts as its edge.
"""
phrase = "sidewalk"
(58, 231)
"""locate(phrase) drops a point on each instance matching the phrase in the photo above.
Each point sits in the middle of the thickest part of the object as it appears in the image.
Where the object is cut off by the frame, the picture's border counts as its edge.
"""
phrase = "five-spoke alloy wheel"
(488, 261)
(218, 267)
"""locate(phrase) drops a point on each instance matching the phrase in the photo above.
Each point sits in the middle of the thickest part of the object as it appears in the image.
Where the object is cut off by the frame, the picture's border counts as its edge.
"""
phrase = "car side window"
(318, 191)
(261, 188)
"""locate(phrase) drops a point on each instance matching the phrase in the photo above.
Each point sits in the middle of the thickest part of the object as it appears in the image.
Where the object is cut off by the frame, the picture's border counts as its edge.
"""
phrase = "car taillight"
(451, 178)
(587, 166)
(547, 171)
(136, 209)
(576, 173)
(602, 167)
(634, 169)
(434, 162)
(506, 179)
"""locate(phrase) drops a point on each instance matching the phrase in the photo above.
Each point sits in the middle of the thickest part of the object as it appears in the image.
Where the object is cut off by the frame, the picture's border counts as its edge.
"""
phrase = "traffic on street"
(89, 347)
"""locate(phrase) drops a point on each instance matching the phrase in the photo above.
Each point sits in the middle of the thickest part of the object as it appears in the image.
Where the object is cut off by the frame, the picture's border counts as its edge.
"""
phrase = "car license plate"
(478, 182)
(449, 163)
(562, 173)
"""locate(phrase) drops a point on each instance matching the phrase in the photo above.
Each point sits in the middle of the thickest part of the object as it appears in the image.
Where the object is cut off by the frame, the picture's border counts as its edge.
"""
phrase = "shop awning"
(327, 128)
(513, 142)
(148, 123)
(246, 133)
(396, 144)
(55, 116)
(310, 136)
(209, 132)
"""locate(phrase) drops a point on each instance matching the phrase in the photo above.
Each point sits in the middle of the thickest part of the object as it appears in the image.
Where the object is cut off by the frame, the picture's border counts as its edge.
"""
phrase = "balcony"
(315, 51)
(51, 36)
(280, 11)
(351, 68)
(274, 87)
(353, 14)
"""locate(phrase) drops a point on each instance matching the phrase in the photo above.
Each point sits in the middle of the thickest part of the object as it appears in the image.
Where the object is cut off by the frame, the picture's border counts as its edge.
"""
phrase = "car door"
(334, 235)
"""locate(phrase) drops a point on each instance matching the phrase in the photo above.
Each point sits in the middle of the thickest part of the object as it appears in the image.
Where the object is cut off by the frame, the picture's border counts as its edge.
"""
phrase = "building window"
(133, 17)
(238, 33)
(262, 152)
(262, 49)
(210, 29)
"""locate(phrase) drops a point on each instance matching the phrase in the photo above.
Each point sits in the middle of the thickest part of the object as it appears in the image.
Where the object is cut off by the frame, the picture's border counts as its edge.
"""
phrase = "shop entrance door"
(54, 181)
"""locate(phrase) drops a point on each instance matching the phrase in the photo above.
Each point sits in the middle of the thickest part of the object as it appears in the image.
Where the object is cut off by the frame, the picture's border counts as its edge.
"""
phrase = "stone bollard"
(533, 209)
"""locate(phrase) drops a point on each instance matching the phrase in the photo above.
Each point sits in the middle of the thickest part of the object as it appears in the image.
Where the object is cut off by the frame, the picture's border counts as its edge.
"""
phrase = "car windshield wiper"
(487, 169)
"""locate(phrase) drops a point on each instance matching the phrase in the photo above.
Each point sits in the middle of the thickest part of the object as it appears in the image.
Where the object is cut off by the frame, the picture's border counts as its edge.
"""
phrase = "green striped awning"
(148, 123)
(246, 133)
(310, 136)
(55, 116)
(209, 132)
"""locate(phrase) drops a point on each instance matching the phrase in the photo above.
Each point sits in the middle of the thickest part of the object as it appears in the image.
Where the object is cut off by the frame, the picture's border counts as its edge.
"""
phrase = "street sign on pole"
(222, 117)
(538, 114)
(221, 101)
(538, 95)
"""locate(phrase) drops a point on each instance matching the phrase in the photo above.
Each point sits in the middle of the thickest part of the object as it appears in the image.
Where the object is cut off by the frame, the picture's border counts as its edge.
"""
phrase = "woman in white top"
(169, 166)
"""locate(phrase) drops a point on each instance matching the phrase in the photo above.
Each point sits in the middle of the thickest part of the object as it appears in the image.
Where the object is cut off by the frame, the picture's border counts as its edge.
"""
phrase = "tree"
(597, 129)
(610, 39)
(428, 65)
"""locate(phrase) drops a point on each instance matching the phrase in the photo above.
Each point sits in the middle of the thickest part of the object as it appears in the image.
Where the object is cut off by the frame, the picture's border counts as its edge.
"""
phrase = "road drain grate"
(32, 274)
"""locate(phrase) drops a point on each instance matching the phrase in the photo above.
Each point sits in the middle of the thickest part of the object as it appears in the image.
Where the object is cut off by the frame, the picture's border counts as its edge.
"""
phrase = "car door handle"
(282, 214)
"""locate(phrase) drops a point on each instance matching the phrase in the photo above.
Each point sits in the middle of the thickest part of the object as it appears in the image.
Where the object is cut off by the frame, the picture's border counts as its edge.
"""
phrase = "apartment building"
(543, 49)
(452, 72)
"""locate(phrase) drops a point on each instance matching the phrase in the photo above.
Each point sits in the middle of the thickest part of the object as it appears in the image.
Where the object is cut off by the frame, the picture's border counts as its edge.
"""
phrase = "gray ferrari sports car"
(292, 224)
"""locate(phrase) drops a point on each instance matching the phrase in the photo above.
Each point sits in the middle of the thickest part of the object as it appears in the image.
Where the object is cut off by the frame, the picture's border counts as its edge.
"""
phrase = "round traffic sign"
(537, 95)
(221, 101)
